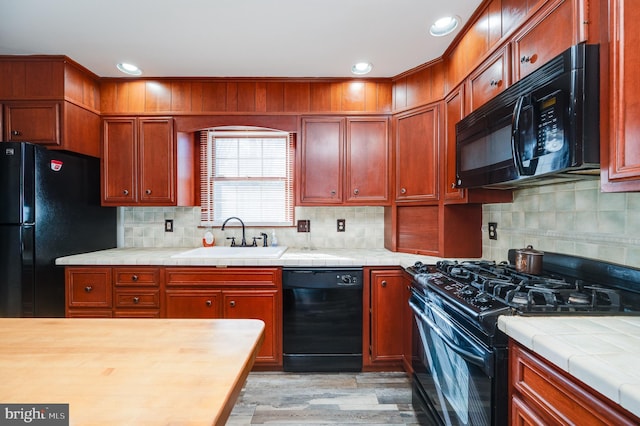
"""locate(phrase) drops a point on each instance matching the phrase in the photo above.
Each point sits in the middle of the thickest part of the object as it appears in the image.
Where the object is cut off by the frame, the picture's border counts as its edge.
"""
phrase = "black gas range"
(460, 359)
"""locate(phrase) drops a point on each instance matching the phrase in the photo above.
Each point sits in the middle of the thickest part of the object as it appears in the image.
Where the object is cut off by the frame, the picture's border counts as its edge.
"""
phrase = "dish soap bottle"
(274, 239)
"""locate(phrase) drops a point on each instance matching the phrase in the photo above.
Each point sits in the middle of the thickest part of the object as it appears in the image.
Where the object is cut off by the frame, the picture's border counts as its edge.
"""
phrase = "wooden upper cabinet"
(490, 79)
(416, 138)
(553, 29)
(321, 156)
(453, 112)
(621, 156)
(34, 121)
(139, 161)
(119, 159)
(367, 161)
(157, 161)
(344, 161)
(52, 101)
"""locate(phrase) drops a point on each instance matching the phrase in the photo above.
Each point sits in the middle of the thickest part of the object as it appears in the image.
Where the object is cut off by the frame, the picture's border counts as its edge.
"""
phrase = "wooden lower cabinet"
(182, 292)
(541, 394)
(386, 319)
(197, 292)
(88, 292)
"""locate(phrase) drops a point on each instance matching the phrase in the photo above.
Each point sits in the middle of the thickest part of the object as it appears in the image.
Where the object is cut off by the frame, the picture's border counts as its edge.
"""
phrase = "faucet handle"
(264, 239)
(233, 241)
(255, 244)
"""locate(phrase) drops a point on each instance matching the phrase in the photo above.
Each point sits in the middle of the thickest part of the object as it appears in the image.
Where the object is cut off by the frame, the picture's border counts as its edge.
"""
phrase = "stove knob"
(482, 300)
(467, 292)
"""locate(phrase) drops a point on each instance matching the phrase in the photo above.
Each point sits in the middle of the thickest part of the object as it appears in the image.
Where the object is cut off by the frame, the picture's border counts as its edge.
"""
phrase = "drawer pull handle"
(356, 191)
(494, 83)
(88, 289)
(125, 192)
(16, 132)
(134, 278)
(232, 303)
(208, 303)
(525, 59)
(383, 283)
(136, 300)
(148, 192)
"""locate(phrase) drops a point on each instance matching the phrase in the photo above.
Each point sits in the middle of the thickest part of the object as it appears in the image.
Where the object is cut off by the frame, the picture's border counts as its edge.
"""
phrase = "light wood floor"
(276, 398)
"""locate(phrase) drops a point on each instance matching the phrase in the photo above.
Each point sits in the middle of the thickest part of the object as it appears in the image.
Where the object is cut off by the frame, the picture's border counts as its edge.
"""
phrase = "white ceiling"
(231, 38)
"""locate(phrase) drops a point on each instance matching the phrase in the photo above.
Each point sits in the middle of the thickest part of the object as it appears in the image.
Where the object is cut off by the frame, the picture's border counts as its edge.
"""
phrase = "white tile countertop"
(602, 352)
(291, 257)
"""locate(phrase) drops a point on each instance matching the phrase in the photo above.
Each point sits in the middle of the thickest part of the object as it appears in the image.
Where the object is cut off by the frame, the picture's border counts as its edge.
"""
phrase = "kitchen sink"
(233, 252)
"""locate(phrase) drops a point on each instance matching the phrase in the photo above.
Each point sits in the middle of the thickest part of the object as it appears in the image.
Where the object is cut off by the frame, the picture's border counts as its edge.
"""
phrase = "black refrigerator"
(49, 208)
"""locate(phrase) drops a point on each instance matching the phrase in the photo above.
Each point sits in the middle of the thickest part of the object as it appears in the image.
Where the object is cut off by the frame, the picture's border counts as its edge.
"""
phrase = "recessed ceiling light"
(129, 68)
(444, 26)
(362, 68)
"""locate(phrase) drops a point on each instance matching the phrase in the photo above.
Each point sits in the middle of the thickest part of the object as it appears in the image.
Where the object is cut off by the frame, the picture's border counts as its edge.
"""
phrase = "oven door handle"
(471, 357)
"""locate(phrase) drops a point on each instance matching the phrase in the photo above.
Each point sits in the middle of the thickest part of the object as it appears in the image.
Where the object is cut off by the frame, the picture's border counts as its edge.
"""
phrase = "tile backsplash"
(572, 218)
(364, 228)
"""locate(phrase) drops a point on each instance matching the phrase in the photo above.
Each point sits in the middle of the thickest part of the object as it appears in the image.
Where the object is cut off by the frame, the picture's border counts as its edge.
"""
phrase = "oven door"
(454, 373)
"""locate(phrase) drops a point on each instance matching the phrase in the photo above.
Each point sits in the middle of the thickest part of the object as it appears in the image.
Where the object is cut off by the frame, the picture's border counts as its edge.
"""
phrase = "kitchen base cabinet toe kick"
(182, 292)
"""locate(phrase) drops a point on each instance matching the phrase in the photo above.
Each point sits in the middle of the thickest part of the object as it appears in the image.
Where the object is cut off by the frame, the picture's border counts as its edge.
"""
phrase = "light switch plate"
(304, 226)
(168, 225)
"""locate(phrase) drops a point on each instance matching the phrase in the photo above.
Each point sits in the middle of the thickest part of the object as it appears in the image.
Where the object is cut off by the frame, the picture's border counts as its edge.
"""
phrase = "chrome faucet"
(244, 241)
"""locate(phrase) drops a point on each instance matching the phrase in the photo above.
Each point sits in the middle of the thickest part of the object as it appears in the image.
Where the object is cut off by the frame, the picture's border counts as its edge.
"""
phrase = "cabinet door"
(622, 173)
(367, 160)
(553, 29)
(37, 122)
(119, 159)
(489, 79)
(88, 287)
(321, 158)
(262, 305)
(453, 112)
(417, 155)
(387, 321)
(156, 161)
(192, 304)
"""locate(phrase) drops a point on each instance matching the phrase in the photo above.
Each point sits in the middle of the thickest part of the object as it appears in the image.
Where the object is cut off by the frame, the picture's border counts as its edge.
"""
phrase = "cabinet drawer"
(89, 287)
(136, 277)
(227, 277)
(136, 298)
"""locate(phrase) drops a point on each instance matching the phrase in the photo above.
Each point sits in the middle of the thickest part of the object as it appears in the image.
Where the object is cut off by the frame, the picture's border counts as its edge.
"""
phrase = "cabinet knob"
(356, 191)
(148, 192)
(208, 303)
(134, 278)
(88, 289)
(495, 83)
(383, 283)
(16, 132)
(333, 192)
(125, 192)
(232, 303)
(525, 59)
(136, 300)
(403, 190)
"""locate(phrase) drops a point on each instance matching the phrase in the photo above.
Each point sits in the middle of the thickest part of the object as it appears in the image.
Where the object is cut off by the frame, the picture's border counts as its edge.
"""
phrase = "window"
(248, 174)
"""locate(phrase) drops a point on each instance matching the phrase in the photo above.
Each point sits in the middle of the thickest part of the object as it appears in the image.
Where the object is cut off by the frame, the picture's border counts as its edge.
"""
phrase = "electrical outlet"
(168, 225)
(493, 234)
(304, 226)
(341, 225)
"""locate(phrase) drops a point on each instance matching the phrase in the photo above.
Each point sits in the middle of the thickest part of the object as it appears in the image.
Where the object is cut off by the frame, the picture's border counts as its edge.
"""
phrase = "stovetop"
(481, 287)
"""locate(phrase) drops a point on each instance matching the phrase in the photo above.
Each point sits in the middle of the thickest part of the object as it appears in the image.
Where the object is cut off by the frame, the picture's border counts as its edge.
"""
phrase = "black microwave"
(544, 128)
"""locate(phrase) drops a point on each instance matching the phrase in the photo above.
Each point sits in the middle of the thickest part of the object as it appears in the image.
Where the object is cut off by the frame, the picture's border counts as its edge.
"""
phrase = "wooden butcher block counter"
(129, 371)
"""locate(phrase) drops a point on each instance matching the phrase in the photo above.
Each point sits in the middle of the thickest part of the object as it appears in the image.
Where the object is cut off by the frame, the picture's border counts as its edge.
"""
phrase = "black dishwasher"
(322, 319)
